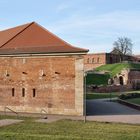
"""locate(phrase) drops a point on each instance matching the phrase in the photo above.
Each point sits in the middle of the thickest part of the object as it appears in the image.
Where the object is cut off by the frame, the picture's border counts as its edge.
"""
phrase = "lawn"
(97, 79)
(134, 100)
(69, 130)
(113, 69)
(101, 95)
(107, 95)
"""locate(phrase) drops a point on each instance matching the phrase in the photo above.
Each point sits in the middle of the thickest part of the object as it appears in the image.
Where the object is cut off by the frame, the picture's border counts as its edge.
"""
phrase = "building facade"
(137, 57)
(128, 77)
(92, 61)
(39, 71)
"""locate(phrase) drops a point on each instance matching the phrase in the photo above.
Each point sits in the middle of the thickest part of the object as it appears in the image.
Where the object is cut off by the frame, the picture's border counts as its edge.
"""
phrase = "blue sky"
(92, 24)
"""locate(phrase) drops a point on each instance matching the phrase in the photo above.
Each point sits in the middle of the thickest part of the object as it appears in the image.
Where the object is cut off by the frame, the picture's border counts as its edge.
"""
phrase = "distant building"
(92, 61)
(137, 57)
(39, 71)
(128, 77)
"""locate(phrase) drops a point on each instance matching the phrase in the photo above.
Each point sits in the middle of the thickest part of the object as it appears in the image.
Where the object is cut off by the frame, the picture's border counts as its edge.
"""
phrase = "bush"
(97, 79)
(129, 96)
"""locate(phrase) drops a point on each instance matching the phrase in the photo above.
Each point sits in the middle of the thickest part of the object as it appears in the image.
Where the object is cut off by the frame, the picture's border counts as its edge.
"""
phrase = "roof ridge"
(17, 34)
(52, 34)
(66, 43)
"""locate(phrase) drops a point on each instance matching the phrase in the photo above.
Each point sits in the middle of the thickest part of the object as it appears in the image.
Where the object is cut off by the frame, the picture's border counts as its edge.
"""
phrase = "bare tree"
(123, 46)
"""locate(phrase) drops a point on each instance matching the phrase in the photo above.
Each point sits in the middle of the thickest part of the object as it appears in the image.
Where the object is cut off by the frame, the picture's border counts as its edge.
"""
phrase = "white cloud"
(124, 20)
(99, 29)
(62, 7)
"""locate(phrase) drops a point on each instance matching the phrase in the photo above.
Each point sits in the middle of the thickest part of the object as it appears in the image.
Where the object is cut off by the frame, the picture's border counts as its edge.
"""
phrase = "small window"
(88, 60)
(92, 60)
(24, 72)
(98, 60)
(23, 92)
(34, 92)
(13, 92)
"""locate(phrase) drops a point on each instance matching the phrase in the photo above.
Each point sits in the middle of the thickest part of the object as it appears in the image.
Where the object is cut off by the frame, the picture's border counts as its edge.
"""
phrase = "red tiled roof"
(33, 38)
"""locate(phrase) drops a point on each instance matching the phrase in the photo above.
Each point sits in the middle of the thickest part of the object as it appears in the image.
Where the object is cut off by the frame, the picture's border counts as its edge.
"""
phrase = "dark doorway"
(121, 80)
(111, 60)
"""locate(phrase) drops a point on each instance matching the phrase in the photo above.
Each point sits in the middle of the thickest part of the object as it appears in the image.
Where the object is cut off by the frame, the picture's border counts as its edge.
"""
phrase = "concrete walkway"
(105, 107)
(102, 110)
(5, 122)
(54, 118)
(129, 119)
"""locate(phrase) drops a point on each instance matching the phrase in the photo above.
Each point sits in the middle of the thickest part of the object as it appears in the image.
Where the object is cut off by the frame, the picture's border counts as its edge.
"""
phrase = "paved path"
(105, 107)
(129, 119)
(102, 110)
(54, 118)
(5, 122)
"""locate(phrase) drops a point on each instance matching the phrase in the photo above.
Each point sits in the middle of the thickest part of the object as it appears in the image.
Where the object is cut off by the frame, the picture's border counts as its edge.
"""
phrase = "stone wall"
(128, 77)
(92, 61)
(134, 75)
(109, 89)
(30, 84)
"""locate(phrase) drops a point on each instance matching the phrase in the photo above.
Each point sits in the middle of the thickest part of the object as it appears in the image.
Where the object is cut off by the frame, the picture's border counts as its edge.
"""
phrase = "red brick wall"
(53, 79)
(134, 75)
(92, 61)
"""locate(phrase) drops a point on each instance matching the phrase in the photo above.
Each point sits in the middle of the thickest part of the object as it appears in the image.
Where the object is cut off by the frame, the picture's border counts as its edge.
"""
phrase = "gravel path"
(102, 110)
(5, 122)
(105, 107)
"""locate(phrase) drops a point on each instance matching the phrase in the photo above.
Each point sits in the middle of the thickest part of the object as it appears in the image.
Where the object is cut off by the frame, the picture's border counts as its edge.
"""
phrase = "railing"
(7, 108)
(43, 110)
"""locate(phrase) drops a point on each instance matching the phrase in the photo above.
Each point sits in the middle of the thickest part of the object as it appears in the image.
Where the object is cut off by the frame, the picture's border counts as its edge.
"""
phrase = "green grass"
(107, 95)
(134, 100)
(113, 69)
(17, 117)
(101, 95)
(97, 79)
(69, 130)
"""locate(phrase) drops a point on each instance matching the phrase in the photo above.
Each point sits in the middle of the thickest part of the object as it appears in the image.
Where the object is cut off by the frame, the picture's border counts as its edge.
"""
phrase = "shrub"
(129, 96)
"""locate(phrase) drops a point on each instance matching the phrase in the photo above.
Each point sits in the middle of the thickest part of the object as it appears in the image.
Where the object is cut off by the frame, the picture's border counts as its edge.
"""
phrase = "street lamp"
(85, 75)
(110, 83)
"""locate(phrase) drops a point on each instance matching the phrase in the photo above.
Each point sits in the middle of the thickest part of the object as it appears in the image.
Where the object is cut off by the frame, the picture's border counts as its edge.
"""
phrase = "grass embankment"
(113, 69)
(113, 94)
(134, 100)
(101, 95)
(69, 130)
(97, 79)
(132, 97)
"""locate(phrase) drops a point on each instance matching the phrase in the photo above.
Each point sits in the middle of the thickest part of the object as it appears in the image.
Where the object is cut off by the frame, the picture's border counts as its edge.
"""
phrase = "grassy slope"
(116, 68)
(113, 69)
(101, 95)
(91, 95)
(97, 79)
(134, 100)
(69, 130)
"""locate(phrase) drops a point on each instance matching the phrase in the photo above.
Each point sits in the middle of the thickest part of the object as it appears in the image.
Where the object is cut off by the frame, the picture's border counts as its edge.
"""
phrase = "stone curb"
(135, 106)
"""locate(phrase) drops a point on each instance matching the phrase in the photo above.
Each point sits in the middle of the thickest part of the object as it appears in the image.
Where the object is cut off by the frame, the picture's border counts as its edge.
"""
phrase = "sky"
(91, 24)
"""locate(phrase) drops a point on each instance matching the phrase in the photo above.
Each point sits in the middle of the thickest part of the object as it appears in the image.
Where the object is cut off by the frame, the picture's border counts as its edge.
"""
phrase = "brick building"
(92, 61)
(39, 71)
(128, 77)
(137, 58)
